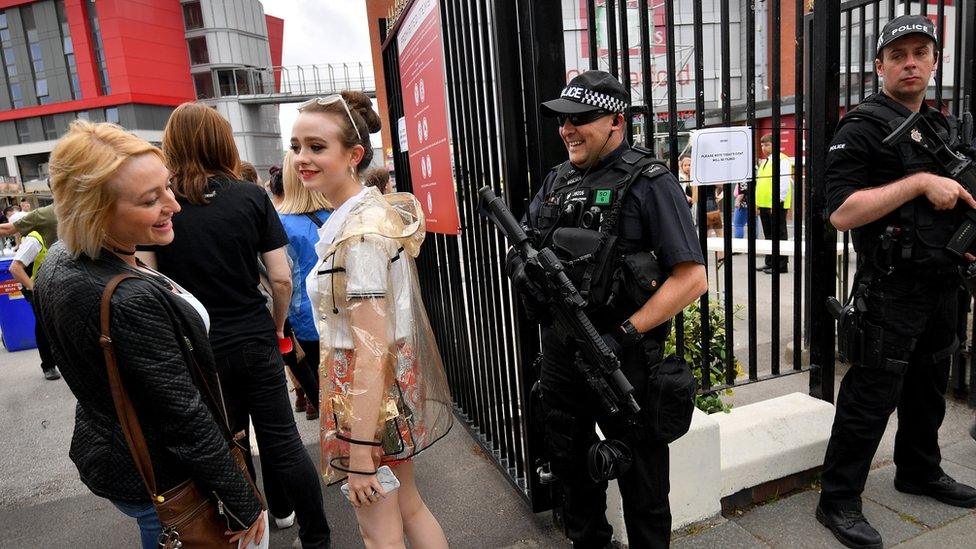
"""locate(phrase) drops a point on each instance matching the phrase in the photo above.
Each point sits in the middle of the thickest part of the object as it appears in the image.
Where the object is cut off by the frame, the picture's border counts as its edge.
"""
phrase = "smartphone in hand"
(387, 479)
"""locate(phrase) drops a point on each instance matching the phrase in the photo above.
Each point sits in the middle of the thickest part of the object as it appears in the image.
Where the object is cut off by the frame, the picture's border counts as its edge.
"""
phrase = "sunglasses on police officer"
(583, 118)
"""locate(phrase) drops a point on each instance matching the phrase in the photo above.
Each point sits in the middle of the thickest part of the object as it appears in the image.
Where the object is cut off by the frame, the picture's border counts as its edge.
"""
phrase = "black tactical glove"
(533, 297)
(614, 343)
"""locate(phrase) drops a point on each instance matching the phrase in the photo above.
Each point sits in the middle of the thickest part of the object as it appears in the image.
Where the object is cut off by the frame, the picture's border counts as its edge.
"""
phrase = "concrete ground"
(44, 505)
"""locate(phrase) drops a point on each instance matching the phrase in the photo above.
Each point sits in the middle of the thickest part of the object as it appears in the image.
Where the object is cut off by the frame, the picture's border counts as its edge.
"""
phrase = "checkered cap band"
(593, 98)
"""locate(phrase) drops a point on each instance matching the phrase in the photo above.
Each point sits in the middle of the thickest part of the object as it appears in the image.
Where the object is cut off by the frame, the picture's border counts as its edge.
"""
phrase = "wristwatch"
(630, 334)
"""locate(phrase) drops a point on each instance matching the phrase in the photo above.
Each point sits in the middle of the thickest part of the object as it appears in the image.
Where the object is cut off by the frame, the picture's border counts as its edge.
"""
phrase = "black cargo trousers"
(571, 411)
(914, 316)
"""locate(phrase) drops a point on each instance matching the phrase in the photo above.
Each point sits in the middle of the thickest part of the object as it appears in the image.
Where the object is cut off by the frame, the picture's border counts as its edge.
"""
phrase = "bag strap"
(315, 219)
(123, 404)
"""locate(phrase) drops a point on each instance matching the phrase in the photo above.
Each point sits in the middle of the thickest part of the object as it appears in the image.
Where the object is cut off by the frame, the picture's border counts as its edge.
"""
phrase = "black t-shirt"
(857, 159)
(215, 257)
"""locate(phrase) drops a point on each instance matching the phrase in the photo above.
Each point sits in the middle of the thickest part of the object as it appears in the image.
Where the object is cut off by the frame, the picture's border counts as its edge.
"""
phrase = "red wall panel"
(145, 53)
(276, 32)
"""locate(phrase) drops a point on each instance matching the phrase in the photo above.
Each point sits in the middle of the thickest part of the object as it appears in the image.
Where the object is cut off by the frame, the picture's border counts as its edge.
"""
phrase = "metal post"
(821, 236)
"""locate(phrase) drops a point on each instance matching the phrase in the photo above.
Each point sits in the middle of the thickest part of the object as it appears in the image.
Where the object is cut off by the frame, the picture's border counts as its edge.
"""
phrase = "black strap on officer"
(643, 163)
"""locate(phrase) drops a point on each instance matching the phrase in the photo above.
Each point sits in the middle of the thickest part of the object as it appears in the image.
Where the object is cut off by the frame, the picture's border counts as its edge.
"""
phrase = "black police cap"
(590, 91)
(900, 27)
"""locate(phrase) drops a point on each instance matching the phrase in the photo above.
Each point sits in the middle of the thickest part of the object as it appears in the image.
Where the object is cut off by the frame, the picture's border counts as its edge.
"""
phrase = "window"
(198, 50)
(50, 128)
(16, 96)
(10, 61)
(23, 131)
(36, 58)
(82, 115)
(41, 88)
(69, 50)
(4, 31)
(225, 80)
(98, 48)
(112, 115)
(192, 16)
(203, 82)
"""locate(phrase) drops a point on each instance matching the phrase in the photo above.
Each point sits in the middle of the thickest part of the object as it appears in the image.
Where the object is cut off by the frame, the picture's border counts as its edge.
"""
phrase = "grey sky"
(318, 32)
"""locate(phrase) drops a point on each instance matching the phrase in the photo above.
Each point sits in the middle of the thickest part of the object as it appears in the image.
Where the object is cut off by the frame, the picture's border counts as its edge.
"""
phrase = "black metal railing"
(689, 65)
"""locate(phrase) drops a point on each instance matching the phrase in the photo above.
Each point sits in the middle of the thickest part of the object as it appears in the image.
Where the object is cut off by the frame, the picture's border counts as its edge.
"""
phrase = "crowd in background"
(174, 288)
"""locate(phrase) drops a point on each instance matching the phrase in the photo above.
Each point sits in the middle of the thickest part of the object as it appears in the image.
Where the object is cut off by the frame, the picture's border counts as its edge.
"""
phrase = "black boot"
(51, 374)
(943, 488)
(848, 525)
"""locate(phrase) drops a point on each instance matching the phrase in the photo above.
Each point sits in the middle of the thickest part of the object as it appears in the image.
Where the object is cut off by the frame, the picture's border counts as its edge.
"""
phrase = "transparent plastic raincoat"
(383, 387)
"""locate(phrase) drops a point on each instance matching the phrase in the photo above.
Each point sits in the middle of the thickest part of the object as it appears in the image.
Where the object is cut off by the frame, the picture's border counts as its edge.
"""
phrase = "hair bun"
(363, 105)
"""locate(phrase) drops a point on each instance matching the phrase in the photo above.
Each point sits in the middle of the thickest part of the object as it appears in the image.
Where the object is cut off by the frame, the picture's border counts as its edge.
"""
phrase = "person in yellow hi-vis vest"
(764, 200)
(31, 253)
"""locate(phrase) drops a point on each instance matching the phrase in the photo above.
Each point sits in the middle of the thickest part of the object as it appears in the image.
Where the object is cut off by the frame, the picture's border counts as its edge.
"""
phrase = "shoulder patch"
(655, 170)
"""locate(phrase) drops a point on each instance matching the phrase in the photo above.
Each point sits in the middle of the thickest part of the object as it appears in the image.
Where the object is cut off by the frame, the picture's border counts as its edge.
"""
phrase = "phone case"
(387, 479)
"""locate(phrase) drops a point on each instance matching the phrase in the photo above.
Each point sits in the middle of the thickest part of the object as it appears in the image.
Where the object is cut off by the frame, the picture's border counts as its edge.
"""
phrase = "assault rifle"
(601, 367)
(917, 131)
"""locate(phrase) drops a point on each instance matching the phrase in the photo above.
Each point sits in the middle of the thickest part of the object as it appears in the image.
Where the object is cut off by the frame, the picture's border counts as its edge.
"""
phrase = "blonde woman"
(112, 193)
(384, 392)
(302, 213)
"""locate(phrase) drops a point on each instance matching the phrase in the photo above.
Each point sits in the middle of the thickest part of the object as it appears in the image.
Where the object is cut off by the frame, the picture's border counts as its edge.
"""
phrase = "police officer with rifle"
(898, 328)
(616, 224)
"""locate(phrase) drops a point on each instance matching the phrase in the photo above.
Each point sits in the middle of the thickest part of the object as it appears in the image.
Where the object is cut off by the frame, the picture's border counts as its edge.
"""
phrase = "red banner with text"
(425, 115)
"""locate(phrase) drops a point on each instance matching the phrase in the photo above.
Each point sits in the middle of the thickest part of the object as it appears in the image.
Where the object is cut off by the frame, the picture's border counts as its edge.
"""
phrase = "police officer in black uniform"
(901, 211)
(633, 204)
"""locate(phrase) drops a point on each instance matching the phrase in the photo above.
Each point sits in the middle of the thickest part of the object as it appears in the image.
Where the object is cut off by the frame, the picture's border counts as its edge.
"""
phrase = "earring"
(352, 172)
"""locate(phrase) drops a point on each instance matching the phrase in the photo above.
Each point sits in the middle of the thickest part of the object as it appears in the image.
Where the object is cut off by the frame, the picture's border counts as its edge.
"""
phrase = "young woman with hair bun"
(384, 392)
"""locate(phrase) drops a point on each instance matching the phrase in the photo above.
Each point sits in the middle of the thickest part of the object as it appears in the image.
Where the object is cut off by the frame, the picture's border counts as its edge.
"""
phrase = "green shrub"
(708, 402)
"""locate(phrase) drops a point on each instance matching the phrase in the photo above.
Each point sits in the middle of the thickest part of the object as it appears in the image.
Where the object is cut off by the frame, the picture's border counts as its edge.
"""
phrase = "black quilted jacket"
(147, 320)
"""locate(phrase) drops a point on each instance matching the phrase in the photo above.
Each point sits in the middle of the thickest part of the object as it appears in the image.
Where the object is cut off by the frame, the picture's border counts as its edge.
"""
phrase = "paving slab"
(880, 488)
(962, 453)
(958, 533)
(725, 535)
(790, 522)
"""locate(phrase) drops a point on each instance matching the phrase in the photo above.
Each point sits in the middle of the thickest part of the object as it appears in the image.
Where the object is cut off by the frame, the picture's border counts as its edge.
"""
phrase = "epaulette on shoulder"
(655, 169)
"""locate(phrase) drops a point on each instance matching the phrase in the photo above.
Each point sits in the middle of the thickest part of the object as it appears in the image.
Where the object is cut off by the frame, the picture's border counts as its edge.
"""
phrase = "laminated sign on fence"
(425, 115)
(721, 155)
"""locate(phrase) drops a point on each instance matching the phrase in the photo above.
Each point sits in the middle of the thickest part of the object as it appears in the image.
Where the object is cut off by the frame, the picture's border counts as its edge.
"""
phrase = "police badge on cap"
(590, 91)
(905, 25)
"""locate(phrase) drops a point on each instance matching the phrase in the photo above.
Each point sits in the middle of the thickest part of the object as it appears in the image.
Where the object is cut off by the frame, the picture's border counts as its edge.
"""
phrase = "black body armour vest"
(580, 220)
(917, 243)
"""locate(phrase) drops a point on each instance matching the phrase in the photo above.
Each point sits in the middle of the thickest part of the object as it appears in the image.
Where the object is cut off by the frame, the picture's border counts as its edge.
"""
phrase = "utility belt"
(863, 344)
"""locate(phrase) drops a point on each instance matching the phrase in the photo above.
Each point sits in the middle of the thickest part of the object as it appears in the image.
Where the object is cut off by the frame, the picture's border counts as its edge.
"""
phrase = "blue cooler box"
(16, 315)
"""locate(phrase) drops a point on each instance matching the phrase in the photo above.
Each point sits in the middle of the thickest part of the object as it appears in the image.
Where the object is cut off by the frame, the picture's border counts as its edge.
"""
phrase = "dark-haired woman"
(384, 392)
(224, 225)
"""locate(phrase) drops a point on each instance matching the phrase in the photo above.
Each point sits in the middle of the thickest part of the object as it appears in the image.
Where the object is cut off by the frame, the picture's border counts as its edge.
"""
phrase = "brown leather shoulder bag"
(189, 516)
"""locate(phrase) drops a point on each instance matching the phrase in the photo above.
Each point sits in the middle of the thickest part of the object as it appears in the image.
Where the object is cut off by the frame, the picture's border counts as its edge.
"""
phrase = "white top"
(28, 250)
(16, 215)
(367, 267)
(187, 296)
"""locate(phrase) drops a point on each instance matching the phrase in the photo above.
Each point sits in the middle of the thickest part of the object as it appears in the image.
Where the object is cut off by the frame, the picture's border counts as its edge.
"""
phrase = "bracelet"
(333, 463)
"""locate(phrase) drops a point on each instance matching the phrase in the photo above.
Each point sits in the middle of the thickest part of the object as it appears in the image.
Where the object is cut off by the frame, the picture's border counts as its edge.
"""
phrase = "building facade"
(131, 62)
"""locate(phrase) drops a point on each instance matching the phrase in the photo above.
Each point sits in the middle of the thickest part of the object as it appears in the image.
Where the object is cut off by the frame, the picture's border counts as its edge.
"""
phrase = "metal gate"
(689, 65)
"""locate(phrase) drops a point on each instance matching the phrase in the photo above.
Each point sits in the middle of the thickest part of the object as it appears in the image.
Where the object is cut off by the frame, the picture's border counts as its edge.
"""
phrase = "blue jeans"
(146, 517)
(740, 218)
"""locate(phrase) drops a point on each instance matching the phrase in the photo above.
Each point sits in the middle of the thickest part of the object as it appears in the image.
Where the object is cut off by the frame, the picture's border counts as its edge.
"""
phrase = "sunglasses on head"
(582, 118)
(329, 100)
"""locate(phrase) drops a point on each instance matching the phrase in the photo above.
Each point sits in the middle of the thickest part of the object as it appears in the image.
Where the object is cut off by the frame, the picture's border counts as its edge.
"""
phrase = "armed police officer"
(902, 212)
(613, 215)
